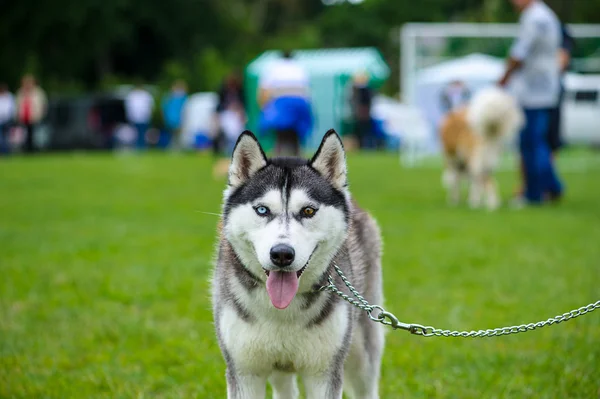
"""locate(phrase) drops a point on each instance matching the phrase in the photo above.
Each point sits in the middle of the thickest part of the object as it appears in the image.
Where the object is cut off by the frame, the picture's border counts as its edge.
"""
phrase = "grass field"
(104, 292)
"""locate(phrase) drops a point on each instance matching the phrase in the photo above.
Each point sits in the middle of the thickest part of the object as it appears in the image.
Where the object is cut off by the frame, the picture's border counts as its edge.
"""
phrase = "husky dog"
(473, 138)
(286, 221)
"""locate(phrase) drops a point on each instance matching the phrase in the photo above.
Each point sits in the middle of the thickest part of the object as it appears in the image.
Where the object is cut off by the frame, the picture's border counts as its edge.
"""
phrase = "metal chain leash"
(389, 319)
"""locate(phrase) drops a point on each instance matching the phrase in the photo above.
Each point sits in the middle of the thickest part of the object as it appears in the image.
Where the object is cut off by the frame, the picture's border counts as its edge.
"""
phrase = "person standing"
(230, 120)
(533, 71)
(7, 113)
(231, 111)
(172, 108)
(31, 103)
(284, 91)
(139, 105)
(361, 102)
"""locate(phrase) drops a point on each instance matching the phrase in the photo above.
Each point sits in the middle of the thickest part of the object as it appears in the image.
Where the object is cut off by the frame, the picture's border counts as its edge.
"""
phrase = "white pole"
(488, 30)
(408, 64)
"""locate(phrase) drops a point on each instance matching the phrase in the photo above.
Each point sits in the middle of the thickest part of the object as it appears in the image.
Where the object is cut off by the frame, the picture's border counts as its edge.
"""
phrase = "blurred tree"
(84, 44)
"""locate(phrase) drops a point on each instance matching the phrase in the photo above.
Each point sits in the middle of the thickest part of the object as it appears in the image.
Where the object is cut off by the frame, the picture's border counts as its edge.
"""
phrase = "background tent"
(331, 73)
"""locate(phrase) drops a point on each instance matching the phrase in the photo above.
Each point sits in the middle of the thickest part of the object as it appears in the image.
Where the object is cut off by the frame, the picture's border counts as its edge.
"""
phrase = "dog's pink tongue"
(282, 288)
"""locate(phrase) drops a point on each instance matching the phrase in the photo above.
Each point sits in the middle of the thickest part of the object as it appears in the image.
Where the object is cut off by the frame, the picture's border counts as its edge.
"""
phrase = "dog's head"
(286, 217)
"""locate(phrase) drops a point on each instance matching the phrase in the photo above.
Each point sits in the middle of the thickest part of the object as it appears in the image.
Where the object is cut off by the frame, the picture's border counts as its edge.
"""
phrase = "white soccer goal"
(416, 37)
(433, 54)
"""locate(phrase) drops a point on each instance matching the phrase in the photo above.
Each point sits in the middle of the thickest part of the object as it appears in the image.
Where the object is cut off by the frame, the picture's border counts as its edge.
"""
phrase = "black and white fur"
(332, 345)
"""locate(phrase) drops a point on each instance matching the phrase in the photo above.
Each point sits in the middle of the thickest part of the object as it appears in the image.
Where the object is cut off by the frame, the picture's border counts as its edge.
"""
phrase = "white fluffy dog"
(473, 138)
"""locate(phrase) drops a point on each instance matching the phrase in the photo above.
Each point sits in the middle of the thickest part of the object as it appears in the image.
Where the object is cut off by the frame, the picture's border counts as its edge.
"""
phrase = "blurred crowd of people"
(285, 99)
(228, 122)
(22, 113)
(286, 110)
(283, 96)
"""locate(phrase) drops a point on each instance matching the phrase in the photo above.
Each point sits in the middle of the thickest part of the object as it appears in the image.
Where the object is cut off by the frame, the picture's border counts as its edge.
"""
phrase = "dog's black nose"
(282, 255)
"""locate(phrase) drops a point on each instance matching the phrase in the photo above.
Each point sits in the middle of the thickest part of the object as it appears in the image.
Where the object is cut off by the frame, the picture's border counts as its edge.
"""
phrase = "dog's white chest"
(282, 342)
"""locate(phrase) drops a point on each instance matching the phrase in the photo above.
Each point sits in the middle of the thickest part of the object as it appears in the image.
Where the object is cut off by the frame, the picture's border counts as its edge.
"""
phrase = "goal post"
(410, 35)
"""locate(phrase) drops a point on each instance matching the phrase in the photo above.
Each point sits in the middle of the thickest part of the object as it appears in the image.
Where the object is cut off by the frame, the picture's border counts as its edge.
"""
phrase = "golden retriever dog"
(473, 138)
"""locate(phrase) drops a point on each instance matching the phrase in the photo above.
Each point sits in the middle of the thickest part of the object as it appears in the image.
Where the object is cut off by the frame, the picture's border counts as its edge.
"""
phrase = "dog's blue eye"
(262, 210)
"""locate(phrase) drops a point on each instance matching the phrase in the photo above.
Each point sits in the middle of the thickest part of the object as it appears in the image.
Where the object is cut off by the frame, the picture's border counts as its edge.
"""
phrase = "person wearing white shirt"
(139, 105)
(7, 113)
(284, 90)
(533, 72)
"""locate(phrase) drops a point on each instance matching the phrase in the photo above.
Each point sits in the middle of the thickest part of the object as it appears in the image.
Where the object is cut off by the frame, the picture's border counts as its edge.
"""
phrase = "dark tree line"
(75, 45)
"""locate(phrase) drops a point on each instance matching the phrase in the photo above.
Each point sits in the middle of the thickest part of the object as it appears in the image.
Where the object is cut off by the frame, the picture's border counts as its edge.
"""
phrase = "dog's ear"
(248, 157)
(330, 160)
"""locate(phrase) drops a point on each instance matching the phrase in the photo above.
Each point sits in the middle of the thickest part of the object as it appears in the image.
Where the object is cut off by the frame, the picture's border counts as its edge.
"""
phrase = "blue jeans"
(288, 113)
(540, 176)
(141, 134)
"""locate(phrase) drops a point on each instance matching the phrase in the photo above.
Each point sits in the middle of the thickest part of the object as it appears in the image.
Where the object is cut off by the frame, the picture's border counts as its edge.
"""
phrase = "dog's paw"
(474, 202)
(447, 179)
(452, 201)
(493, 204)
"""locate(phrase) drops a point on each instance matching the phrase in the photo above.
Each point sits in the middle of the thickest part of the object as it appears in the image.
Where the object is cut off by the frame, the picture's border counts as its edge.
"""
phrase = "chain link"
(389, 319)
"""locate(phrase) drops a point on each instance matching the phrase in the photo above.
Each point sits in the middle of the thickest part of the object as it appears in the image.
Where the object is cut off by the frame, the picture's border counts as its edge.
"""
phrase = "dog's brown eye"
(308, 212)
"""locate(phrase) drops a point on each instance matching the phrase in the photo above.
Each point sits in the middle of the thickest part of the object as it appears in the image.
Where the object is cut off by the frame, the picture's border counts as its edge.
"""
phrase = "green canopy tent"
(331, 72)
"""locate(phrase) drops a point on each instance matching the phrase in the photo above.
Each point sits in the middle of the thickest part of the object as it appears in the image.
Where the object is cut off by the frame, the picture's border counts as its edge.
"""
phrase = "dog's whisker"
(210, 213)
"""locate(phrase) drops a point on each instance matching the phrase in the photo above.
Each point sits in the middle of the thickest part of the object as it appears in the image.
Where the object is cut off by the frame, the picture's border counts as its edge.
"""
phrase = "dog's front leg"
(324, 385)
(476, 191)
(284, 385)
(245, 386)
(451, 180)
(491, 193)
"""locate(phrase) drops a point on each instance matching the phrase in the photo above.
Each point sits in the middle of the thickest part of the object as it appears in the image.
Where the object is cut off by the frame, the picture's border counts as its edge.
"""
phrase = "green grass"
(104, 293)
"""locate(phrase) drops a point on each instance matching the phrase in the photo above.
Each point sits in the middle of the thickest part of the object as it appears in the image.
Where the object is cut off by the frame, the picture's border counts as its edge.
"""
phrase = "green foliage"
(84, 43)
(210, 68)
(459, 46)
(106, 262)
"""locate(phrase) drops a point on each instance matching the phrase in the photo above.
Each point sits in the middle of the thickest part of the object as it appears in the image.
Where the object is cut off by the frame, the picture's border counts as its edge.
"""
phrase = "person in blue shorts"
(285, 96)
